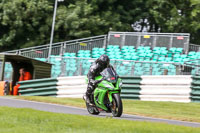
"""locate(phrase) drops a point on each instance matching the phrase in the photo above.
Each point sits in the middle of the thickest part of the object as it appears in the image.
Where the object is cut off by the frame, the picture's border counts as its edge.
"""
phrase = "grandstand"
(74, 58)
(127, 60)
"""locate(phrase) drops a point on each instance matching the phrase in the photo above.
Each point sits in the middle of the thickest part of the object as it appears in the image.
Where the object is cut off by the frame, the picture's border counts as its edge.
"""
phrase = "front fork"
(110, 93)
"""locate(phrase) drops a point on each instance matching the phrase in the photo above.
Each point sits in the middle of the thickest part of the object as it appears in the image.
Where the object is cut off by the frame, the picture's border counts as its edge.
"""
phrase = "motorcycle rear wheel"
(117, 107)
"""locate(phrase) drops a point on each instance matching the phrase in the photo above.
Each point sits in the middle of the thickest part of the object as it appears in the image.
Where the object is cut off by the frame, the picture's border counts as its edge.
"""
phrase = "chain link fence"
(179, 40)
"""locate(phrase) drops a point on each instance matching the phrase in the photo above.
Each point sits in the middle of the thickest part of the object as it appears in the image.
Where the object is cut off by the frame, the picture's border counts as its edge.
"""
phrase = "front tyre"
(117, 107)
(91, 109)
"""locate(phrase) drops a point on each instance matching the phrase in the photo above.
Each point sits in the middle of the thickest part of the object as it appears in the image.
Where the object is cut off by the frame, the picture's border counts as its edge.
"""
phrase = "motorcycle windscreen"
(110, 75)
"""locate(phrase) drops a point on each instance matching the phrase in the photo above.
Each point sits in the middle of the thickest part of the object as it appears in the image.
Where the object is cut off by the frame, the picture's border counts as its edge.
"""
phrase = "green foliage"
(177, 16)
(26, 23)
(78, 21)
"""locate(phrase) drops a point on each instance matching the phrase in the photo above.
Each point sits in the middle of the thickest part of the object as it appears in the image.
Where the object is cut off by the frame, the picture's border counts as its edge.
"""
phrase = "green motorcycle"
(106, 95)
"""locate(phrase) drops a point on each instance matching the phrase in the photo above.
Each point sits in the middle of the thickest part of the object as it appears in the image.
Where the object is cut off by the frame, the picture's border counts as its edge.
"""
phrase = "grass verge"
(168, 110)
(22, 120)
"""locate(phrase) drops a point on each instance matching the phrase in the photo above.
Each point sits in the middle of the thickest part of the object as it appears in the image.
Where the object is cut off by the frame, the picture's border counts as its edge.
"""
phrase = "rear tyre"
(117, 107)
(92, 109)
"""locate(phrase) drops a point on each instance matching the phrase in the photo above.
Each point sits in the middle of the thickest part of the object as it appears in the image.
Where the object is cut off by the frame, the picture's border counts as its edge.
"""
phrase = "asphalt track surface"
(11, 102)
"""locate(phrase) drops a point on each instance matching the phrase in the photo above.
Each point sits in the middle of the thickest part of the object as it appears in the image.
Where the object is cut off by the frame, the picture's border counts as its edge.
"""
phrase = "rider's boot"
(89, 98)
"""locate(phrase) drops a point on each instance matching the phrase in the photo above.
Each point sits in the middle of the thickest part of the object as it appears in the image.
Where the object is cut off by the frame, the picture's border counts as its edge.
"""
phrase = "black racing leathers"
(95, 70)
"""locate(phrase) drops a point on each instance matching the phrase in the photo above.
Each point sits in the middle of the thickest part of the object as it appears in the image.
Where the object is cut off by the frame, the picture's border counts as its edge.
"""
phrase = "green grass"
(168, 110)
(22, 120)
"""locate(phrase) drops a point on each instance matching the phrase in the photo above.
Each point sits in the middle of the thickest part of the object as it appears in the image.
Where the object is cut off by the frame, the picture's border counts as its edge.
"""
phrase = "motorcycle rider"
(95, 69)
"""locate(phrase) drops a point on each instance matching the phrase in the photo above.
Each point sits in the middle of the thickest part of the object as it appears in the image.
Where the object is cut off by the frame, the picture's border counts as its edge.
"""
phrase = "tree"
(78, 20)
(177, 16)
(24, 23)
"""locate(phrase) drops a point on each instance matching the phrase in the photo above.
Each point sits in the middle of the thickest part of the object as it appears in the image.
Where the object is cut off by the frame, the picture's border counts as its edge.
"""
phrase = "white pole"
(52, 30)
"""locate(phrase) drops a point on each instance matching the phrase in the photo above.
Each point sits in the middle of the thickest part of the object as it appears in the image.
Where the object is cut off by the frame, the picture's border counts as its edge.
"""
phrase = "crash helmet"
(103, 60)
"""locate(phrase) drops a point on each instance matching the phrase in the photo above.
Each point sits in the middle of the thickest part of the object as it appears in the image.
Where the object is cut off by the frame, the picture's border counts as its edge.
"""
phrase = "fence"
(76, 66)
(73, 66)
(115, 38)
(194, 47)
(62, 47)
(179, 40)
(194, 65)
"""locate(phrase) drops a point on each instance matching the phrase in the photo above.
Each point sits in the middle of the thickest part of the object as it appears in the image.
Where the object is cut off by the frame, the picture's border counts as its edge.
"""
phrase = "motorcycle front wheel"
(117, 107)
(92, 110)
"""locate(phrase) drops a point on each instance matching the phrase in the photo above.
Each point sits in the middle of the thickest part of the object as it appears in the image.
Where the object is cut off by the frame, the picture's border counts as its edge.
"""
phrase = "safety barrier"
(71, 86)
(59, 87)
(131, 87)
(39, 87)
(157, 88)
(165, 88)
(195, 94)
(147, 88)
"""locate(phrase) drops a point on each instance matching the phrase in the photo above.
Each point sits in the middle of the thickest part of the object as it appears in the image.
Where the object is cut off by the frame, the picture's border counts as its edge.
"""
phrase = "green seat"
(168, 59)
(172, 50)
(169, 54)
(141, 59)
(161, 59)
(131, 47)
(125, 50)
(97, 52)
(96, 55)
(176, 56)
(156, 49)
(110, 46)
(164, 52)
(101, 49)
(163, 48)
(191, 53)
(140, 48)
(193, 57)
(95, 49)
(157, 52)
(142, 54)
(150, 55)
(198, 53)
(66, 54)
(128, 57)
(179, 50)
(178, 60)
(183, 56)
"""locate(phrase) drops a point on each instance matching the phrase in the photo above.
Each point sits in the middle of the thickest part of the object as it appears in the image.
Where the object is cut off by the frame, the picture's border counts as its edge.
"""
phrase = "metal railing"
(61, 47)
(74, 66)
(194, 65)
(194, 47)
(179, 40)
(115, 38)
